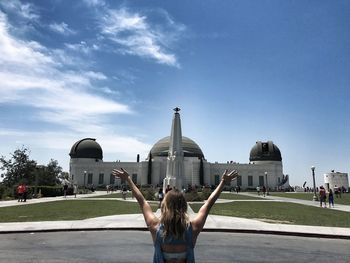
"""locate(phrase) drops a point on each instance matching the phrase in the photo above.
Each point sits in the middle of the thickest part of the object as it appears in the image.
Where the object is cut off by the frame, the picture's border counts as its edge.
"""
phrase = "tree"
(48, 175)
(19, 168)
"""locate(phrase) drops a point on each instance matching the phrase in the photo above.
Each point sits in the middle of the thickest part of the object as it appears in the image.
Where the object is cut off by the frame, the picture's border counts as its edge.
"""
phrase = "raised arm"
(199, 220)
(150, 219)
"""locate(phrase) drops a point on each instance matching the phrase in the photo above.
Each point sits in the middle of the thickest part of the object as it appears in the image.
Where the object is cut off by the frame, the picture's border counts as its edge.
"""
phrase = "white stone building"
(264, 168)
(336, 179)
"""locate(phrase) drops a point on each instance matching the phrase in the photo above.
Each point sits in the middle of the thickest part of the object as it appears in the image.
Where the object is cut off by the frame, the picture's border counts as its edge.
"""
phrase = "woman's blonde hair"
(174, 215)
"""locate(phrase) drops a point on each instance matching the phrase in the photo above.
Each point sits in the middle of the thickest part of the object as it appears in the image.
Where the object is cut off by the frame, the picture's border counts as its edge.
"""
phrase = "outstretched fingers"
(119, 173)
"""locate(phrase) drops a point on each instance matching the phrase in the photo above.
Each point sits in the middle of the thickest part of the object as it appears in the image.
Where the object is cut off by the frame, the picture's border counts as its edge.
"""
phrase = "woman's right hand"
(227, 176)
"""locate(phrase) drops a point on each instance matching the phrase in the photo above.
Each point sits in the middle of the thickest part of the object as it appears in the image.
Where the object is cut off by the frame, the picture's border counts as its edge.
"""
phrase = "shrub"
(51, 191)
(149, 193)
(7, 192)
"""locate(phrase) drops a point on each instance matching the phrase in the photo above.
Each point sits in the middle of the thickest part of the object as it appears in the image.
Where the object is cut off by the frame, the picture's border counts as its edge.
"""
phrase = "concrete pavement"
(214, 223)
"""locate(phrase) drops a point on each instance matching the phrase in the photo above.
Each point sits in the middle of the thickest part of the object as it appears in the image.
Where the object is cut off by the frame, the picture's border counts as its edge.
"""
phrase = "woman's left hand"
(122, 174)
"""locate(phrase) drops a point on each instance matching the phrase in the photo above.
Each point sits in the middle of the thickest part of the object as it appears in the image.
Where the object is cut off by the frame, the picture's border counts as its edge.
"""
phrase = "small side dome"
(265, 151)
(189, 147)
(86, 148)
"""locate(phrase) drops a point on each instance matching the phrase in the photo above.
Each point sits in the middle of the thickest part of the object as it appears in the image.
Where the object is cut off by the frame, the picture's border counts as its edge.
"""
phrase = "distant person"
(258, 189)
(174, 234)
(264, 190)
(20, 192)
(124, 192)
(322, 193)
(107, 188)
(160, 196)
(25, 192)
(65, 188)
(330, 198)
(75, 190)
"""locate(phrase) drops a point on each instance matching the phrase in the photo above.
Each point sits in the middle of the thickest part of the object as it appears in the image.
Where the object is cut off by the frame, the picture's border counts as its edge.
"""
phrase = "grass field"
(234, 196)
(114, 195)
(344, 200)
(68, 210)
(285, 213)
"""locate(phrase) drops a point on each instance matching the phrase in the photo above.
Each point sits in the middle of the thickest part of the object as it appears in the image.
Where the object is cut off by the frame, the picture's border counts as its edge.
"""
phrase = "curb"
(209, 230)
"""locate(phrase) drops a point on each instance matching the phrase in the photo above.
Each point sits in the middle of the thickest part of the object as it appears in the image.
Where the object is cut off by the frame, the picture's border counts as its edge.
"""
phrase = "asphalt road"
(135, 246)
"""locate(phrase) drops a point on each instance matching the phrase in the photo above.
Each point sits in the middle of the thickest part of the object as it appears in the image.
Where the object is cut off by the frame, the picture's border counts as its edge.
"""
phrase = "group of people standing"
(22, 192)
(323, 197)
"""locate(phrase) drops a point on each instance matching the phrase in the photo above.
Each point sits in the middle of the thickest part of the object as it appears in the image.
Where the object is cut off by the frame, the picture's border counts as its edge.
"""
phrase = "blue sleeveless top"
(158, 256)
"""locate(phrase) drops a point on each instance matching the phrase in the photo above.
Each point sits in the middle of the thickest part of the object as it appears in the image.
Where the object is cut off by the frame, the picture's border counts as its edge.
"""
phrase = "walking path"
(214, 223)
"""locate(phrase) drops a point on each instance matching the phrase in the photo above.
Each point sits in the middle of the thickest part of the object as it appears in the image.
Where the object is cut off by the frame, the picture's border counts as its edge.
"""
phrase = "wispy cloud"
(29, 70)
(61, 28)
(82, 47)
(23, 10)
(94, 3)
(135, 35)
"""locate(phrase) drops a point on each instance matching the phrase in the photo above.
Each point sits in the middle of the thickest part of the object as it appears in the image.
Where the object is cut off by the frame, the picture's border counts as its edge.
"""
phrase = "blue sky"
(241, 71)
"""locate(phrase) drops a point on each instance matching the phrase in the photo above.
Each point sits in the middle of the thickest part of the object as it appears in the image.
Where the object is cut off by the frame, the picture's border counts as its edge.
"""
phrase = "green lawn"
(234, 196)
(114, 195)
(344, 200)
(68, 210)
(285, 213)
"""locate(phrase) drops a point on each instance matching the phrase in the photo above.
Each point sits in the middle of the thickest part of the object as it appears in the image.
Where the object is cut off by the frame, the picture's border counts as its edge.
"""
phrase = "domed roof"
(189, 147)
(86, 148)
(265, 151)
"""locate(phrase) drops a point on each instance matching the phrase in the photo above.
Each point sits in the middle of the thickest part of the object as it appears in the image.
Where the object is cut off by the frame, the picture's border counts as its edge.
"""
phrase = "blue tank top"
(158, 256)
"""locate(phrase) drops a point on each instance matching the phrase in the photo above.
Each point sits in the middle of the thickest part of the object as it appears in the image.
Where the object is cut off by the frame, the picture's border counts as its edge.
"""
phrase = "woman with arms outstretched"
(174, 234)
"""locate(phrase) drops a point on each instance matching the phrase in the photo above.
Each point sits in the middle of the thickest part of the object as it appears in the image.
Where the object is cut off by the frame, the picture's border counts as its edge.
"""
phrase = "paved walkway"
(214, 223)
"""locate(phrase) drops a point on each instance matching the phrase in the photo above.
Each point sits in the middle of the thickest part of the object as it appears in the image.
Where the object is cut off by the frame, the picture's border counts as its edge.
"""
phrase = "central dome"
(189, 147)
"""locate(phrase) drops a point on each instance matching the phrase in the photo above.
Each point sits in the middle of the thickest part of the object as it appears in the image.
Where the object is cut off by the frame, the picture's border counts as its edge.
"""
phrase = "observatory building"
(179, 161)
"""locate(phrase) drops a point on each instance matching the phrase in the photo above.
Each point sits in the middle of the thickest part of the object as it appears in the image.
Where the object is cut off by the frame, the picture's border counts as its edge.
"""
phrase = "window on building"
(250, 180)
(239, 180)
(217, 179)
(89, 178)
(100, 178)
(261, 180)
(134, 178)
(111, 179)
(279, 180)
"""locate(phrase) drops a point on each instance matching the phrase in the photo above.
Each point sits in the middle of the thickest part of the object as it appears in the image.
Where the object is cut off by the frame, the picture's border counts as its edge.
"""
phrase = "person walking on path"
(330, 198)
(65, 188)
(258, 189)
(75, 190)
(174, 234)
(264, 190)
(322, 196)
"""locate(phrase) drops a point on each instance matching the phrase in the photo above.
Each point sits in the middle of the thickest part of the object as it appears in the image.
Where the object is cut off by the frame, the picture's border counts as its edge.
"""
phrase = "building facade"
(264, 167)
(335, 180)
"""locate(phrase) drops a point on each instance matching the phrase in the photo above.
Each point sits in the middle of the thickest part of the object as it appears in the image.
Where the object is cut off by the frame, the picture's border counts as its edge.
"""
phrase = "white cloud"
(62, 28)
(31, 76)
(82, 47)
(94, 3)
(25, 11)
(136, 36)
(114, 146)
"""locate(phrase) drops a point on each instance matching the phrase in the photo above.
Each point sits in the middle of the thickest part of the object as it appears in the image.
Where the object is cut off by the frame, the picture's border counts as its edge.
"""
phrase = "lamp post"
(313, 178)
(267, 185)
(84, 178)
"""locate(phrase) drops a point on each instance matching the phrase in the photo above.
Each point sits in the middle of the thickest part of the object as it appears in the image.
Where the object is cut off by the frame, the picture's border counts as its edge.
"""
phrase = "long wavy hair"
(174, 215)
